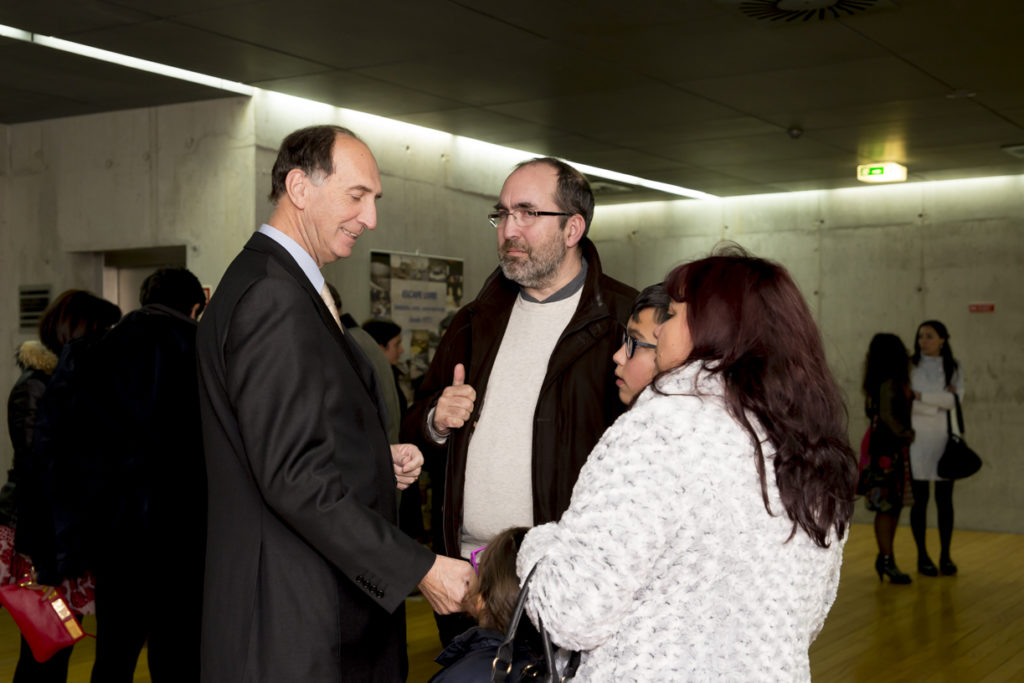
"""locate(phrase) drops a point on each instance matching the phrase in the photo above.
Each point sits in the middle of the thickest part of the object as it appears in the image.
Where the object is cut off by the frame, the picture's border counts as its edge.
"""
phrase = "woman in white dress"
(935, 376)
(705, 532)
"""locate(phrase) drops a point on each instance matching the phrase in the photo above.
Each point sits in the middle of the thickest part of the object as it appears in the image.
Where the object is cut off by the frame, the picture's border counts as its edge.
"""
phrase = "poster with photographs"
(419, 294)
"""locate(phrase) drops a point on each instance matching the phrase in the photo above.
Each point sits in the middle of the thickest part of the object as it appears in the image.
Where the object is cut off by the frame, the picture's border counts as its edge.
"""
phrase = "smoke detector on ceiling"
(803, 10)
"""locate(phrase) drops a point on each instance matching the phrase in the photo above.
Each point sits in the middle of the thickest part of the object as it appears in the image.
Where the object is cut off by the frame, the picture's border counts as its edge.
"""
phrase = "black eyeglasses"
(632, 344)
(524, 217)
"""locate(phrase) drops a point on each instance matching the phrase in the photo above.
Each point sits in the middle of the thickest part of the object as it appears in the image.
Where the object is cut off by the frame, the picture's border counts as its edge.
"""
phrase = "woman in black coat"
(887, 402)
(73, 315)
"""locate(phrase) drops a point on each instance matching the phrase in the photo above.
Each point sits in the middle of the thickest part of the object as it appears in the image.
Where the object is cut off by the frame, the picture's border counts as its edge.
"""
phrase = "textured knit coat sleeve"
(667, 565)
(597, 558)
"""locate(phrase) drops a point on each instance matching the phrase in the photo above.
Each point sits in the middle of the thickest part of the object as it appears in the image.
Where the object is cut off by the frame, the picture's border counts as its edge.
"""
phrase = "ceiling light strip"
(15, 33)
(625, 178)
(248, 90)
(125, 60)
(642, 182)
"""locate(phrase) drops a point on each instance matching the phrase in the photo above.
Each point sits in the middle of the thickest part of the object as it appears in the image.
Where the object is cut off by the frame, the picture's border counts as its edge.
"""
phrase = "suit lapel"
(358, 361)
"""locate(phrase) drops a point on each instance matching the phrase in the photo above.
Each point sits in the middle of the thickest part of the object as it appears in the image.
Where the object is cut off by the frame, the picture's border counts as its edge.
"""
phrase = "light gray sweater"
(499, 464)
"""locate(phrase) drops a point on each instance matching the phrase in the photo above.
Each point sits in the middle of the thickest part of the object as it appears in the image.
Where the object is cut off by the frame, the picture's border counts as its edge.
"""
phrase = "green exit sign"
(885, 172)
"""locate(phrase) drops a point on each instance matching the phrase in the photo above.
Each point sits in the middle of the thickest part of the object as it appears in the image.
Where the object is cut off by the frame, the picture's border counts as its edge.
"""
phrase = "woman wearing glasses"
(705, 533)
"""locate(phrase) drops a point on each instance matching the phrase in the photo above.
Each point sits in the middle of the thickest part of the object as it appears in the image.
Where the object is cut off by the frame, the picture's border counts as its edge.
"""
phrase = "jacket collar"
(266, 245)
(498, 292)
(162, 309)
(32, 355)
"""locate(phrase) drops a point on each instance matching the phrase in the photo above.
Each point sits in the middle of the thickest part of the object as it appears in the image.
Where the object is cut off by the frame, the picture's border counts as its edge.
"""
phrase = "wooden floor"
(968, 628)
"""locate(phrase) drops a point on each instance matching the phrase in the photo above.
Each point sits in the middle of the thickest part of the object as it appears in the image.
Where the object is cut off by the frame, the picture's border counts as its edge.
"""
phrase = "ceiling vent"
(804, 10)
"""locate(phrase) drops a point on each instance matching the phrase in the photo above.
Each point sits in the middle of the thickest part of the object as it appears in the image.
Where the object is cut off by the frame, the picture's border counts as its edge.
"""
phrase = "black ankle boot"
(926, 566)
(946, 566)
(885, 565)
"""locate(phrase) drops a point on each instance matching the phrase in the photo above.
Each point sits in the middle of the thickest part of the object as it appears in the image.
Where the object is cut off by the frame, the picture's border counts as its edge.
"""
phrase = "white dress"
(667, 566)
(929, 415)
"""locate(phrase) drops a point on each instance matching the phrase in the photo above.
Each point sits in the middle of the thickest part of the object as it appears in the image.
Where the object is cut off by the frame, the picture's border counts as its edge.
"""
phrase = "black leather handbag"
(958, 461)
(544, 669)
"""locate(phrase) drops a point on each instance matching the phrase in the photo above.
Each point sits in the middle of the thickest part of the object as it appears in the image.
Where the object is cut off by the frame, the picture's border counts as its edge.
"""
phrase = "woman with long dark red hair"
(705, 533)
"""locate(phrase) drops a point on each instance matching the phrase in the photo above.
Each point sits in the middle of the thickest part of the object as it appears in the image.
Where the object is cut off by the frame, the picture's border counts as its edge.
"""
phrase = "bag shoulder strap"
(959, 416)
(501, 667)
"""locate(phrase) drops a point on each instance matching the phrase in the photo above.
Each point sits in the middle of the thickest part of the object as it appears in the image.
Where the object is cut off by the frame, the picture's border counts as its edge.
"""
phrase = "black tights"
(885, 530)
(919, 515)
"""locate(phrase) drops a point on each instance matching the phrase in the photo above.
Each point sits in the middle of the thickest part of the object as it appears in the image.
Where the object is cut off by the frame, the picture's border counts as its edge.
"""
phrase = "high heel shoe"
(926, 566)
(885, 565)
(946, 566)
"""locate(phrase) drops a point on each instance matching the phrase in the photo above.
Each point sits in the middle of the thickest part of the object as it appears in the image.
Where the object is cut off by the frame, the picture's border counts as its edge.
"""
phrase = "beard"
(538, 266)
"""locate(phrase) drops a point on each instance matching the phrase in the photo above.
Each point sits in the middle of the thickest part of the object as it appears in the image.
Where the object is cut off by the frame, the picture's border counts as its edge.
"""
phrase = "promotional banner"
(419, 294)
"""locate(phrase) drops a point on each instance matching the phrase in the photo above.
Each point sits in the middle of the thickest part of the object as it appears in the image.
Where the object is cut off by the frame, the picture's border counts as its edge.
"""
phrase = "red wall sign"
(981, 308)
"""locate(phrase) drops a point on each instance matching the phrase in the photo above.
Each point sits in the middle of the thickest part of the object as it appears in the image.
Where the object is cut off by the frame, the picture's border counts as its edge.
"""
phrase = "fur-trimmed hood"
(32, 355)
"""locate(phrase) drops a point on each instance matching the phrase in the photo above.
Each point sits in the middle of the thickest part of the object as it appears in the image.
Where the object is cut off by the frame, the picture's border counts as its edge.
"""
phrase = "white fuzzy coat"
(666, 566)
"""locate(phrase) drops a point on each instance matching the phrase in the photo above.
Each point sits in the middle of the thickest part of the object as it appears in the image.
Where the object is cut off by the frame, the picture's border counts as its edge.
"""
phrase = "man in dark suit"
(306, 569)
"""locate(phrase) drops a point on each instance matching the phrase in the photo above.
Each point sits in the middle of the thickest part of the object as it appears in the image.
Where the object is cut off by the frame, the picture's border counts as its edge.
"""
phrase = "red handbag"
(42, 616)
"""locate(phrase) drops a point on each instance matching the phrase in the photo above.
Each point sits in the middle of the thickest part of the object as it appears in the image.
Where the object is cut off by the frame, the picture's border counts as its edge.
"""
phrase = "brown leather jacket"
(577, 401)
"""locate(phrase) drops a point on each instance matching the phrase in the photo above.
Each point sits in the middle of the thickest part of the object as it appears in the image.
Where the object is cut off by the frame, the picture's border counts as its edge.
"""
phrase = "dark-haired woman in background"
(72, 315)
(934, 378)
(887, 401)
(705, 533)
(388, 336)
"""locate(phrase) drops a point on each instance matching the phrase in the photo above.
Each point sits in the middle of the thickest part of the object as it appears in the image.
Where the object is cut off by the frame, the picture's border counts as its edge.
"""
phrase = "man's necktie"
(325, 294)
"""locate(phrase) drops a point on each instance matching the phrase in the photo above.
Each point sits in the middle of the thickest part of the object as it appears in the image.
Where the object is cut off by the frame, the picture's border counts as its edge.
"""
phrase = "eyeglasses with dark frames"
(632, 344)
(524, 217)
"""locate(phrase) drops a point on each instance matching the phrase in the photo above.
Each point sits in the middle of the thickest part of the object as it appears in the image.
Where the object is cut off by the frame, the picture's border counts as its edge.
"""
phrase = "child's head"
(493, 599)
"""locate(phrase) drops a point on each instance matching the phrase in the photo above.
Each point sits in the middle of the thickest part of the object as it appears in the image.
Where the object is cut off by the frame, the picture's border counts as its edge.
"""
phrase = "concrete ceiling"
(699, 93)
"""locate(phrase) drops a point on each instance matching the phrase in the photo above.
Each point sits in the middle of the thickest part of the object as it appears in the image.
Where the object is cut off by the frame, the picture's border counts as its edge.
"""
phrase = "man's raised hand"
(455, 404)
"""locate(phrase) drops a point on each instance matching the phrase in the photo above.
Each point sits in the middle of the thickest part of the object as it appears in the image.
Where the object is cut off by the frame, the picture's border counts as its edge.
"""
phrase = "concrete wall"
(198, 175)
(73, 188)
(880, 259)
(868, 260)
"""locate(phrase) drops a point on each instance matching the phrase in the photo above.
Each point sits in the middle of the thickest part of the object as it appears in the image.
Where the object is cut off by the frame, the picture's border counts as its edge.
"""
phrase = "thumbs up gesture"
(455, 404)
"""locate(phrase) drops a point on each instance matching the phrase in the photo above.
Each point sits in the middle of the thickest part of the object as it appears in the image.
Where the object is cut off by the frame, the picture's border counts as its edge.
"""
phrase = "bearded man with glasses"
(521, 386)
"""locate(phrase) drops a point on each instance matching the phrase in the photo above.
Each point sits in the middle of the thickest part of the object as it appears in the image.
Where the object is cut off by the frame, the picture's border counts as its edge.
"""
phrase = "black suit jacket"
(306, 570)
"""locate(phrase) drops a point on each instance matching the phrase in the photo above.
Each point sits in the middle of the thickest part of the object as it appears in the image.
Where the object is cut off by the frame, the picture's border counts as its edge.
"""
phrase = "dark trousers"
(133, 607)
(53, 670)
